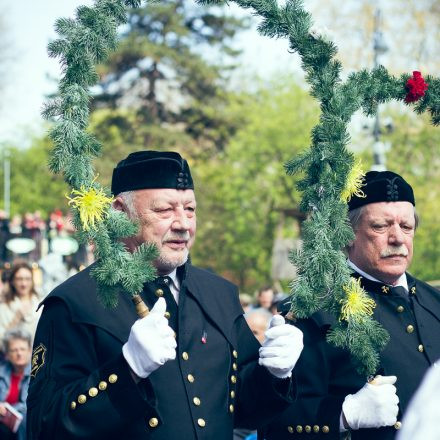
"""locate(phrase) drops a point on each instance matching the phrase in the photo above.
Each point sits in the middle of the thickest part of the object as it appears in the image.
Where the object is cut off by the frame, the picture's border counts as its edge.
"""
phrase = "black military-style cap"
(383, 186)
(151, 170)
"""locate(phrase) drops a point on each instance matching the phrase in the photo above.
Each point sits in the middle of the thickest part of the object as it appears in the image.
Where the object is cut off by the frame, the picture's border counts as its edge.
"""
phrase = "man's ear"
(119, 205)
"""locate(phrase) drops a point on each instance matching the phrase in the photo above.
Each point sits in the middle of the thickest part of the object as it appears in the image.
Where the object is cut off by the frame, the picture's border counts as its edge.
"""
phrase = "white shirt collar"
(402, 281)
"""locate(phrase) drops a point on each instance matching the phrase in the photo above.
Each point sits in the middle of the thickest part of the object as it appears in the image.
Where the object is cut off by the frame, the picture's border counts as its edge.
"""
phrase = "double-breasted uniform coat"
(81, 386)
(326, 375)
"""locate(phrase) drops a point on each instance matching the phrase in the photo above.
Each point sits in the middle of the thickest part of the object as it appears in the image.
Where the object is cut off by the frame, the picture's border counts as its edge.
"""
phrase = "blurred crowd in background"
(36, 254)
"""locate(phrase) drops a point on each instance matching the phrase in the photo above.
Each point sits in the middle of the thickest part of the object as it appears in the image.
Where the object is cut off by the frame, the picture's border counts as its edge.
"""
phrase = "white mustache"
(184, 236)
(395, 250)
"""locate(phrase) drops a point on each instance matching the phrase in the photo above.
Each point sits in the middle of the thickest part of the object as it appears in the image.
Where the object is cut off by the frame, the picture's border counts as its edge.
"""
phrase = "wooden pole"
(141, 308)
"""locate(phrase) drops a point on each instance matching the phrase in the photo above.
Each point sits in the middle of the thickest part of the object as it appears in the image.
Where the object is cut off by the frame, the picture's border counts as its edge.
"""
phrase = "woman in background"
(19, 306)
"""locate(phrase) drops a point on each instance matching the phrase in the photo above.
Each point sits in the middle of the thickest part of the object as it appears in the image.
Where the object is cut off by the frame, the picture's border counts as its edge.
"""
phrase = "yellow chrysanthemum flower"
(91, 203)
(355, 180)
(357, 304)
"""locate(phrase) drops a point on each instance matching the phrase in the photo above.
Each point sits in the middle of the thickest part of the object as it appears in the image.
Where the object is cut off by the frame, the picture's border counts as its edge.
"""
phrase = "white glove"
(151, 342)
(374, 405)
(281, 348)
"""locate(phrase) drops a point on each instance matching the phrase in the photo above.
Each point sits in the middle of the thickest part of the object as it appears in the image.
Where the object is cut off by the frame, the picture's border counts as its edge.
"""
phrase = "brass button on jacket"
(232, 394)
(421, 348)
(231, 408)
(201, 423)
(235, 354)
(185, 356)
(233, 379)
(308, 429)
(159, 292)
(315, 429)
(290, 429)
(410, 329)
(397, 425)
(102, 385)
(325, 429)
(113, 378)
(73, 405)
(400, 309)
(82, 399)
(299, 429)
(167, 315)
(93, 392)
(153, 422)
(196, 401)
(190, 378)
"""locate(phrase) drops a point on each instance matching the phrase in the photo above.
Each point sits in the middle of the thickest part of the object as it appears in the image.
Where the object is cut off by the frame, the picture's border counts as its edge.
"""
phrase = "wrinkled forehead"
(389, 210)
(152, 197)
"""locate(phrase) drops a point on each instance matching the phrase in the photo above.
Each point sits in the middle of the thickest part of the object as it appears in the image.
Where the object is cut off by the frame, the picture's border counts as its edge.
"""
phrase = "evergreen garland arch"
(332, 173)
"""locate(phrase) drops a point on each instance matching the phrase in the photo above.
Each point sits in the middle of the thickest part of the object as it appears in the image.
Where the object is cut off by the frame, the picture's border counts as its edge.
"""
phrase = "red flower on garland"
(416, 87)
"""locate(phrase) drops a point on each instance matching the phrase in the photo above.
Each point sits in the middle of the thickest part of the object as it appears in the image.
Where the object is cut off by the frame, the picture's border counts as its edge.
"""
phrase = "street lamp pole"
(379, 47)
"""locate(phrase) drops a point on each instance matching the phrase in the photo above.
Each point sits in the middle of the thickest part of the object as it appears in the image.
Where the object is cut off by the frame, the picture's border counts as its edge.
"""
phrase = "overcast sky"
(30, 27)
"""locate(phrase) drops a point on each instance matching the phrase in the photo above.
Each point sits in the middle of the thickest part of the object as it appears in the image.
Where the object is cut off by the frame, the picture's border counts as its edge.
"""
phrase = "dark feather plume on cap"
(383, 186)
(151, 170)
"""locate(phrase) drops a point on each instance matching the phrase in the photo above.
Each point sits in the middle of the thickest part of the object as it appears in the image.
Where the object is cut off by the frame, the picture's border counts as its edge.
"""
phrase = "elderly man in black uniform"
(191, 369)
(334, 401)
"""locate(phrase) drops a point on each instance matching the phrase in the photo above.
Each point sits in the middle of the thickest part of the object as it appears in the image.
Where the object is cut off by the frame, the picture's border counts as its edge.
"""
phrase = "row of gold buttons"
(233, 379)
(196, 400)
(159, 293)
(308, 429)
(401, 309)
(93, 392)
(154, 422)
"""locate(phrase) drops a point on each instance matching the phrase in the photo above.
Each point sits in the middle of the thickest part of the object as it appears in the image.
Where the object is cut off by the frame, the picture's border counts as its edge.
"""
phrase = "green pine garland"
(82, 43)
(323, 273)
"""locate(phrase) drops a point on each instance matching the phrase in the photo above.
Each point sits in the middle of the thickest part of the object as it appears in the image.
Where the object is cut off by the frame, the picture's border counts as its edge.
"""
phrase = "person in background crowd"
(19, 309)
(56, 223)
(4, 236)
(258, 322)
(14, 379)
(277, 299)
(265, 298)
(245, 301)
(15, 226)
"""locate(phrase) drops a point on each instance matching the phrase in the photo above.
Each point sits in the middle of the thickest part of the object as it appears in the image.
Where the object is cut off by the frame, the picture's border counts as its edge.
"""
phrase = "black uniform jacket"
(325, 374)
(82, 388)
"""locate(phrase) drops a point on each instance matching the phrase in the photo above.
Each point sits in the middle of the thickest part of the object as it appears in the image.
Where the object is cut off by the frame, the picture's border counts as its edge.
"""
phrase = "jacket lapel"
(215, 302)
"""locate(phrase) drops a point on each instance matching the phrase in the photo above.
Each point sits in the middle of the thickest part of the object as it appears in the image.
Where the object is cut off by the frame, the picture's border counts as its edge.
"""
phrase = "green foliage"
(243, 192)
(32, 186)
(161, 71)
(83, 42)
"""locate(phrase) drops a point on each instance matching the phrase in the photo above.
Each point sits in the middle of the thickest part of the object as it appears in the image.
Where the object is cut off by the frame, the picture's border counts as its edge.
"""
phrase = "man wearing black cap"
(334, 401)
(191, 369)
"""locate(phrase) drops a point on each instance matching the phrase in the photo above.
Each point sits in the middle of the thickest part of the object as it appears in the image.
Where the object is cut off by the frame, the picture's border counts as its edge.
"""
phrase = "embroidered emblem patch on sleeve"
(38, 359)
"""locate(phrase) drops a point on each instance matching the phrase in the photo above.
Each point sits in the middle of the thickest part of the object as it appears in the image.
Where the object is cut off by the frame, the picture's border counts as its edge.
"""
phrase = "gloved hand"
(374, 405)
(282, 347)
(151, 342)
